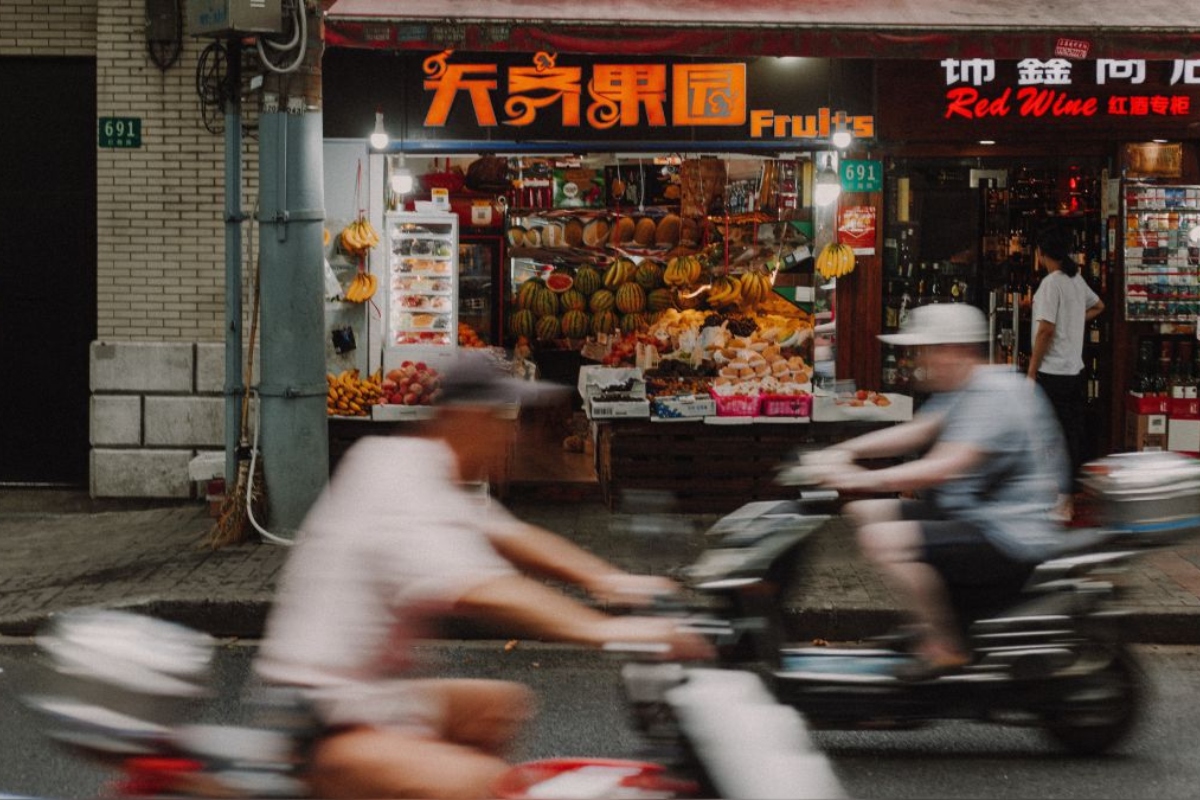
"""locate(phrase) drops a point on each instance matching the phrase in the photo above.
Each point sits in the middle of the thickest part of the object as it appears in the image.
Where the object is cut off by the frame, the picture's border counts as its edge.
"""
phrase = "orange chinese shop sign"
(628, 99)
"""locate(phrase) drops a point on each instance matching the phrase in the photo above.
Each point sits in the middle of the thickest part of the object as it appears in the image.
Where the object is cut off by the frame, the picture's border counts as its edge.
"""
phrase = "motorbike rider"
(986, 474)
(395, 543)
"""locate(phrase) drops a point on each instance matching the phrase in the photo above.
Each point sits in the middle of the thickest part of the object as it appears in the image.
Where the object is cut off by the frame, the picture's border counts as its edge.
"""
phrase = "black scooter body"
(1047, 654)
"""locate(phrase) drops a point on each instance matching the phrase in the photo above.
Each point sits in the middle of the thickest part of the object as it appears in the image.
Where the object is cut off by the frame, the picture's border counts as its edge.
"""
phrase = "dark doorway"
(47, 267)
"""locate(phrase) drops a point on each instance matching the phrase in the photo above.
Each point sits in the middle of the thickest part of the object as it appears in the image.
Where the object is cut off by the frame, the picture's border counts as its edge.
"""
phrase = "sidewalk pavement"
(64, 551)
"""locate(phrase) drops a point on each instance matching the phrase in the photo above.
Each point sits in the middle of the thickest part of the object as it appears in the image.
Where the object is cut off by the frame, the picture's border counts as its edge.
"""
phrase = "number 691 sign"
(861, 176)
(120, 132)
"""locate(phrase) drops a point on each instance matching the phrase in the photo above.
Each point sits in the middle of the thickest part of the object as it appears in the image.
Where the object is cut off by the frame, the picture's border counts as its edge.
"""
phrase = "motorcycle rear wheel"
(1096, 711)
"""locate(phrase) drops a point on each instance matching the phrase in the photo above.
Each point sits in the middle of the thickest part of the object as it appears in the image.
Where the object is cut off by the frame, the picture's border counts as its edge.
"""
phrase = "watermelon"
(575, 324)
(648, 275)
(634, 322)
(660, 299)
(573, 300)
(604, 322)
(528, 290)
(548, 328)
(521, 323)
(630, 298)
(601, 300)
(588, 280)
(544, 304)
(559, 281)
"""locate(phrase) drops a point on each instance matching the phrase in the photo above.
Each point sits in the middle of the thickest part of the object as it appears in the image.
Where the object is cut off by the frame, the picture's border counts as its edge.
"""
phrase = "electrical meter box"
(232, 17)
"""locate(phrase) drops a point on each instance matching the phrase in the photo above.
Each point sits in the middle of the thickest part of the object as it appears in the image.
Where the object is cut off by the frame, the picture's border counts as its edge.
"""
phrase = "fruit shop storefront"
(662, 223)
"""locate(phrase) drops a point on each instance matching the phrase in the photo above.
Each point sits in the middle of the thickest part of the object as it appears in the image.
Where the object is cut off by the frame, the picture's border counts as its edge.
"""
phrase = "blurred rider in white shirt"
(399, 540)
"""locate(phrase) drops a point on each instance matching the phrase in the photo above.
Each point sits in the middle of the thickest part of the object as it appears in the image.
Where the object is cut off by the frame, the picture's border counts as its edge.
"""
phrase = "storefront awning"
(1001, 29)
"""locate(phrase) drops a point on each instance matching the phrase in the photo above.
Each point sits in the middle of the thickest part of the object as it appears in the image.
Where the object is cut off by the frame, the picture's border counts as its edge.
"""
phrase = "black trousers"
(1068, 395)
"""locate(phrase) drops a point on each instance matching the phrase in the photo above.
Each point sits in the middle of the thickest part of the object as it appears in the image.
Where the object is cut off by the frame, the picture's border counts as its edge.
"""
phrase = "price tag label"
(861, 176)
(481, 214)
(120, 132)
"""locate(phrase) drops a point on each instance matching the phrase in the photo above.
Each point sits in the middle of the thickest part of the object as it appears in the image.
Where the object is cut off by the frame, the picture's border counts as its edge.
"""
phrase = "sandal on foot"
(918, 668)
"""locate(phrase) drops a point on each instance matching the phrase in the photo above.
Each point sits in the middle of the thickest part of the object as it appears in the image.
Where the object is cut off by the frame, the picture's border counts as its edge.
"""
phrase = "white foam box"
(832, 408)
(687, 406)
(595, 379)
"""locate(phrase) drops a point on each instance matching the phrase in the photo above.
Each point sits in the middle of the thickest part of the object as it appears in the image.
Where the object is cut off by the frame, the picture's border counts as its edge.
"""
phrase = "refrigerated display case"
(421, 317)
(481, 285)
(1160, 238)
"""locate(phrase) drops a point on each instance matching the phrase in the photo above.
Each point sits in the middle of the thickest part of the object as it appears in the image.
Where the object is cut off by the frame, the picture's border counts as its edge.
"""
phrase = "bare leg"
(894, 547)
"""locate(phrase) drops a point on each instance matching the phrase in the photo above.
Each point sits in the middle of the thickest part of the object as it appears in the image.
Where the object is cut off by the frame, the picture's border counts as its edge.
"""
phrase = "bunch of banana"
(362, 288)
(682, 271)
(835, 260)
(352, 396)
(724, 291)
(755, 286)
(358, 237)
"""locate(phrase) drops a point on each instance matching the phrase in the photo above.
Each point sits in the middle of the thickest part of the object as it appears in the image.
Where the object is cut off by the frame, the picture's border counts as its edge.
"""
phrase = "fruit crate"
(736, 405)
(786, 405)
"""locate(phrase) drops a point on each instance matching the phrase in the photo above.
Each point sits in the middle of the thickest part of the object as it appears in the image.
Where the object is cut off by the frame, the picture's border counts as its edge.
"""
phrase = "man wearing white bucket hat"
(986, 481)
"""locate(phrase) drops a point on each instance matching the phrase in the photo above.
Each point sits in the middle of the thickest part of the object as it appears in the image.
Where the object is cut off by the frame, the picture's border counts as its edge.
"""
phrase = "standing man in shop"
(1062, 307)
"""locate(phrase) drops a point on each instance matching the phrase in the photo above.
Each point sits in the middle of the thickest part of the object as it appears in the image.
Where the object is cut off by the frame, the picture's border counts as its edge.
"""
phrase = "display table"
(705, 468)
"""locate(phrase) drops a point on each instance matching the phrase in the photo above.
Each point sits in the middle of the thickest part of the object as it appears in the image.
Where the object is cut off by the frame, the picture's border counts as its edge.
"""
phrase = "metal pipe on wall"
(234, 386)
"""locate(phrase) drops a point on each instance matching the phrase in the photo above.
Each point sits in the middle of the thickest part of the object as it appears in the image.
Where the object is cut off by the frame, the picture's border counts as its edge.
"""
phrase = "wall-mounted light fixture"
(379, 136)
(827, 185)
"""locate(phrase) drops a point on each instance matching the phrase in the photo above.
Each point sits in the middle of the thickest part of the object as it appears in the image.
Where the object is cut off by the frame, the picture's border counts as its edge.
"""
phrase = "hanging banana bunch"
(835, 260)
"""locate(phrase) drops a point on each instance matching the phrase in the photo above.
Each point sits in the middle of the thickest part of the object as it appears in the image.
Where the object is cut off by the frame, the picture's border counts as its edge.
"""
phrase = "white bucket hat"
(942, 323)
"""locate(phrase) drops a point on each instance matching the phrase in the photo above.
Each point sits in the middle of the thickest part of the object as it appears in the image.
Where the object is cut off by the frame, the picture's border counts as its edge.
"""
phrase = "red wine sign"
(1058, 87)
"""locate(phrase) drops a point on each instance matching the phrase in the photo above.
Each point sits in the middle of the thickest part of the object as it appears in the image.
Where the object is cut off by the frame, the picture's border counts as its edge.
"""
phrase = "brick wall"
(160, 207)
(48, 27)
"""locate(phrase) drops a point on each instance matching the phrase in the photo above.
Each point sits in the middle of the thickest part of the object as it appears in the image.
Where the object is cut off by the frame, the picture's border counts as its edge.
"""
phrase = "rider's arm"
(537, 550)
(898, 440)
(944, 461)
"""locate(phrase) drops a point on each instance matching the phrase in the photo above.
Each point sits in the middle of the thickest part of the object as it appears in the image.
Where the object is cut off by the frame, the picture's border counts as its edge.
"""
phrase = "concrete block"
(210, 368)
(116, 420)
(140, 473)
(142, 367)
(184, 421)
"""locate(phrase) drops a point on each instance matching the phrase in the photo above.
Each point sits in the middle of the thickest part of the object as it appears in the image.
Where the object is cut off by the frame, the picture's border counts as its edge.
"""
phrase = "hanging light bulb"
(379, 136)
(842, 137)
(401, 177)
(827, 186)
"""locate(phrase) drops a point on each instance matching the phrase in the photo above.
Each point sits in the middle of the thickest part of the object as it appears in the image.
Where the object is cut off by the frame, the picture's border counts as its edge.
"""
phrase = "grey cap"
(477, 378)
(942, 323)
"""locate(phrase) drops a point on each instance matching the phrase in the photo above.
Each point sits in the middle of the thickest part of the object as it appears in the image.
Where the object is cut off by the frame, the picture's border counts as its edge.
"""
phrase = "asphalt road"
(581, 713)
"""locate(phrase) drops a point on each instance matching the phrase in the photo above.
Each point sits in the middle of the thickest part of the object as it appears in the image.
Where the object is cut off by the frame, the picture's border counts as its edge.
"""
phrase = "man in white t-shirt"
(1062, 307)
(397, 542)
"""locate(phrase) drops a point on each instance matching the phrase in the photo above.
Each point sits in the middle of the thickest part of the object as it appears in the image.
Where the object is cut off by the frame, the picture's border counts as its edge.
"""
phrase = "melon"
(544, 304)
(521, 323)
(601, 300)
(548, 328)
(648, 275)
(528, 290)
(588, 280)
(559, 281)
(631, 323)
(572, 300)
(630, 298)
(660, 300)
(604, 322)
(575, 324)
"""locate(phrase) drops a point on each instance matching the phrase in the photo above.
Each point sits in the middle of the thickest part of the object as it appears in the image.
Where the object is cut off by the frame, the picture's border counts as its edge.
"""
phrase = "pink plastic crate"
(736, 405)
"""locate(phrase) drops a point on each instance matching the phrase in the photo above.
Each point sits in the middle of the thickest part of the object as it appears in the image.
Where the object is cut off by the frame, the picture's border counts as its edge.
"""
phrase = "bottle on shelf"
(1093, 380)
(935, 285)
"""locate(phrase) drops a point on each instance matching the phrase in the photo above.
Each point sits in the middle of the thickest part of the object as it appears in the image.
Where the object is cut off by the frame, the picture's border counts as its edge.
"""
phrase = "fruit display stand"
(706, 468)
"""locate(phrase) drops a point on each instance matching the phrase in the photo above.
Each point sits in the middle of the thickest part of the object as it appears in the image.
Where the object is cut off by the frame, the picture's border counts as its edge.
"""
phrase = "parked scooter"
(1050, 657)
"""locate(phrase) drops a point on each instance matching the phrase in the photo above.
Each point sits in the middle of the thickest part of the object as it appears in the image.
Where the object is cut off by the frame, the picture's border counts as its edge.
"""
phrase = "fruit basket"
(736, 405)
(786, 405)
(590, 777)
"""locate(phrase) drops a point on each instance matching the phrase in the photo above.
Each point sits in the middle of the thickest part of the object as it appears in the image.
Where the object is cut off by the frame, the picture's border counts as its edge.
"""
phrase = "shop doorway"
(47, 267)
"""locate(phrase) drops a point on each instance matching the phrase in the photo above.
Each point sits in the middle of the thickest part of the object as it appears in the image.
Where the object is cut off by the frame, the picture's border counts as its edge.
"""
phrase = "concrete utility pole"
(294, 439)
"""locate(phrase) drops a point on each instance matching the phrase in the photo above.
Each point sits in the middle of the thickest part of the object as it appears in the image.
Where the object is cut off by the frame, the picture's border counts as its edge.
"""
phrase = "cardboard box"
(596, 379)
(686, 406)
(1183, 435)
(1154, 404)
(1146, 431)
(1183, 408)
(618, 409)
